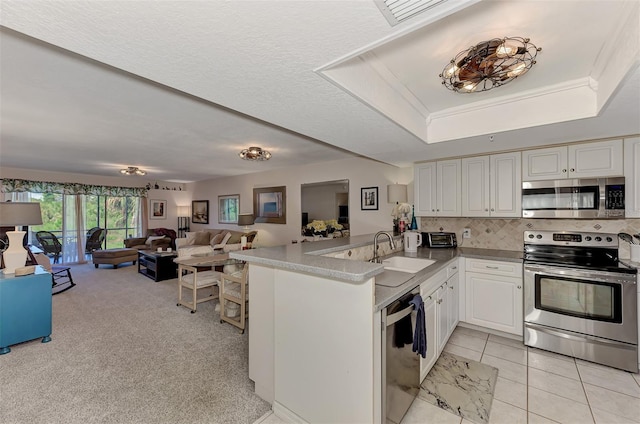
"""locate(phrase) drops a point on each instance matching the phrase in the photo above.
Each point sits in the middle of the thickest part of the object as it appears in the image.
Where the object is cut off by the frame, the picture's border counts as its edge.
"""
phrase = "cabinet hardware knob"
(519, 287)
(564, 170)
(451, 287)
(486, 210)
(572, 170)
(492, 209)
(433, 210)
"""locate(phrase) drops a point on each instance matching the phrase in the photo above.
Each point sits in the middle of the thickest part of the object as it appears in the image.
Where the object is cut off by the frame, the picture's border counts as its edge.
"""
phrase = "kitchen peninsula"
(315, 325)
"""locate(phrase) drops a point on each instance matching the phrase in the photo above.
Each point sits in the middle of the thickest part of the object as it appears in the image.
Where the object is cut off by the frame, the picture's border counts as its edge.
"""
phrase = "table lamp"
(17, 214)
(245, 219)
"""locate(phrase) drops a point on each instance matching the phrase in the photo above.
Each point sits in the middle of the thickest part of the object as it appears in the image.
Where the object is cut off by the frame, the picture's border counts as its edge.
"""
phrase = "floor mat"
(461, 386)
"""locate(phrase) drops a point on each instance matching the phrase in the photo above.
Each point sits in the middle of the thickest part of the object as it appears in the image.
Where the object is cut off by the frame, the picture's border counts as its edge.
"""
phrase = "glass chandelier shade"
(133, 170)
(254, 153)
(489, 64)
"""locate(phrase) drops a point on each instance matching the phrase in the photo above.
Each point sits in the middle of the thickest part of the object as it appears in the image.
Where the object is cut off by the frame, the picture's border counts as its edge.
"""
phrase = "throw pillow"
(224, 241)
(202, 238)
(150, 239)
(191, 238)
(235, 238)
(217, 239)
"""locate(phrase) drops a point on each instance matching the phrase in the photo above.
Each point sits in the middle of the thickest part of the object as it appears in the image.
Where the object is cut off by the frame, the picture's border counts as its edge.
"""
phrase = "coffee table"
(157, 265)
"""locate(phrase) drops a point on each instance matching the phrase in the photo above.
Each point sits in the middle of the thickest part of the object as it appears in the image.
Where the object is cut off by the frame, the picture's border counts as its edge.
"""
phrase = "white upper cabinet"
(424, 186)
(586, 160)
(492, 185)
(475, 186)
(632, 177)
(437, 187)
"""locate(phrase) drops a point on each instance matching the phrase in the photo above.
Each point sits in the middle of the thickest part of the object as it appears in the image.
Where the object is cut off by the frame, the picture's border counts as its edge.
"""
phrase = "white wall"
(359, 171)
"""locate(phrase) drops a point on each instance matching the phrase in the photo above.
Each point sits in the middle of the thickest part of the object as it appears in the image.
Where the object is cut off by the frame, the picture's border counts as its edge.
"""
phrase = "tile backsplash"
(506, 234)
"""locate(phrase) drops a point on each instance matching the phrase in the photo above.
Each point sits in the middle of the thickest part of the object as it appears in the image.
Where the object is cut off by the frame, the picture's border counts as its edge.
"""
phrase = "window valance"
(11, 185)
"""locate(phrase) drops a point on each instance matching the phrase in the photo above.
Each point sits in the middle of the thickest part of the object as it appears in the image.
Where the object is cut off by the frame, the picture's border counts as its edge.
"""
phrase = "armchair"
(155, 238)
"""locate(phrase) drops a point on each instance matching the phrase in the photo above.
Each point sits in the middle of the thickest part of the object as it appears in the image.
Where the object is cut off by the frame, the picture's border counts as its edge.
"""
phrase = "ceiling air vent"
(397, 11)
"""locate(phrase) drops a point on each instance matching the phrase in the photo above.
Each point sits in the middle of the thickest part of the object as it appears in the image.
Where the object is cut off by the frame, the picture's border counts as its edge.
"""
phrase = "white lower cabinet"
(440, 296)
(494, 295)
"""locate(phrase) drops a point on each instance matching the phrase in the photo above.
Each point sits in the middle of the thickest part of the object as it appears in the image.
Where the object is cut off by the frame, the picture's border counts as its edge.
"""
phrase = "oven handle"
(582, 338)
(605, 277)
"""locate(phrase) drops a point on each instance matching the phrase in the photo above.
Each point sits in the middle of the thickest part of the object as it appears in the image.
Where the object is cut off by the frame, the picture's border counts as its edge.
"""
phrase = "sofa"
(155, 238)
(211, 241)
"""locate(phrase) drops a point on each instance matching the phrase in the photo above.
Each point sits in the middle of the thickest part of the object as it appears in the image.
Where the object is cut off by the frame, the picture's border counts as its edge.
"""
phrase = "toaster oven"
(439, 239)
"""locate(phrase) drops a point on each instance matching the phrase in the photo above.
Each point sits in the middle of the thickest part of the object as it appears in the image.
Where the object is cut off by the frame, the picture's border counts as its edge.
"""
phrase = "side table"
(25, 308)
(157, 265)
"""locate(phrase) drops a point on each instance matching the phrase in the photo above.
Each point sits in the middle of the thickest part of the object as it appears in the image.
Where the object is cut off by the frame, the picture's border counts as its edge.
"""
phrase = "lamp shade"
(183, 211)
(245, 219)
(397, 193)
(20, 213)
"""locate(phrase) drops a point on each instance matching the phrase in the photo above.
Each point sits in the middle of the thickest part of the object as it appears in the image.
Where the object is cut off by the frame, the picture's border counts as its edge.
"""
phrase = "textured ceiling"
(178, 88)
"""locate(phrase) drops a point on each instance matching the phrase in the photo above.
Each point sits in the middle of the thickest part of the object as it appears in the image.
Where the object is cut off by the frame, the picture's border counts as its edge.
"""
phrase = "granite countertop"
(307, 258)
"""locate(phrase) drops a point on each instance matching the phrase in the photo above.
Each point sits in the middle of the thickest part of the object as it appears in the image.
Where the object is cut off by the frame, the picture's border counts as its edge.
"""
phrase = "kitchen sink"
(404, 264)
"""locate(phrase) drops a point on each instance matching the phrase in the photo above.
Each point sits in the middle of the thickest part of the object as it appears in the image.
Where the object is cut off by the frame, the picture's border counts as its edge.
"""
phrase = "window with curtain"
(69, 209)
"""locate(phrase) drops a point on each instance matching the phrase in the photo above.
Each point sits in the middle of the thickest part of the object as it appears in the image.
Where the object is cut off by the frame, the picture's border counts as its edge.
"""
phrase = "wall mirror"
(324, 201)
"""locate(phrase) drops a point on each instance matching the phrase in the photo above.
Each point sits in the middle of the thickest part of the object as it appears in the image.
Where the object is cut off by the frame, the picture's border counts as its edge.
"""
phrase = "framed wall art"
(200, 211)
(269, 204)
(369, 198)
(228, 209)
(157, 209)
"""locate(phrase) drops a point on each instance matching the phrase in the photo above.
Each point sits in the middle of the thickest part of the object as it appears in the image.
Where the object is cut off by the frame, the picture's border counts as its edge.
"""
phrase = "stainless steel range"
(579, 300)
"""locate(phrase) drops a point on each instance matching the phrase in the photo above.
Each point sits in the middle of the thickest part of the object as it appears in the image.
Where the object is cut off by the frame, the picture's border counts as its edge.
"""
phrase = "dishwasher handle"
(397, 316)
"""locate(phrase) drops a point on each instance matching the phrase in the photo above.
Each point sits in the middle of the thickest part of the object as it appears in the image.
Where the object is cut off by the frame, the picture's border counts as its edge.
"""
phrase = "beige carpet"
(123, 352)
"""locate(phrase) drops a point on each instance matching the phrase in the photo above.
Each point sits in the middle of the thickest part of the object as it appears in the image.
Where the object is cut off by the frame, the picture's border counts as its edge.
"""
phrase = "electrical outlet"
(466, 233)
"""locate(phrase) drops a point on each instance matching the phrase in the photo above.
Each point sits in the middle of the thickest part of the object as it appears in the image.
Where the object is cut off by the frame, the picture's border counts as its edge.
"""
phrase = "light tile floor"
(536, 387)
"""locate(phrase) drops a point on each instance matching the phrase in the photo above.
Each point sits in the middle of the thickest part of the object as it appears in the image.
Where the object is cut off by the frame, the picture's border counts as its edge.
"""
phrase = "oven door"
(593, 303)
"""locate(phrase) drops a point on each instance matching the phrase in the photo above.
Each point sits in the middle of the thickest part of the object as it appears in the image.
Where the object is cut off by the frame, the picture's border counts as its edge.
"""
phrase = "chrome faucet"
(375, 258)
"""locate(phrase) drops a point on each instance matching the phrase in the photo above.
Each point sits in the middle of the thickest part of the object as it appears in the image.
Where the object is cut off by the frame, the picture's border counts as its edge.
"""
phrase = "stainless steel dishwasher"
(400, 365)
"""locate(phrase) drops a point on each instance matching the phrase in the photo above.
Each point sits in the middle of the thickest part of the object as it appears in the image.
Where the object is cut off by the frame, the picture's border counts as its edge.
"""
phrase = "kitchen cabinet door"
(506, 185)
(431, 323)
(602, 159)
(425, 188)
(449, 187)
(544, 164)
(475, 186)
(632, 177)
(443, 316)
(452, 288)
(494, 301)
(583, 160)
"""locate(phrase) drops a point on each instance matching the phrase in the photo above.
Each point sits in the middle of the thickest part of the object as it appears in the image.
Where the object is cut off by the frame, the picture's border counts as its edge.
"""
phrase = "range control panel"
(571, 238)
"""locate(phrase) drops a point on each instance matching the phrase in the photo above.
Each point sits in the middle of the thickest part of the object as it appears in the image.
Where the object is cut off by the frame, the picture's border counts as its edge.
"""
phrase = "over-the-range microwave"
(583, 198)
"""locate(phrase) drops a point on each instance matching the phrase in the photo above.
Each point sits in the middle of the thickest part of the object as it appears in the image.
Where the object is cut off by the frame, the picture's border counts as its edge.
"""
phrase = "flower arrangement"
(333, 223)
(320, 227)
(317, 226)
(400, 210)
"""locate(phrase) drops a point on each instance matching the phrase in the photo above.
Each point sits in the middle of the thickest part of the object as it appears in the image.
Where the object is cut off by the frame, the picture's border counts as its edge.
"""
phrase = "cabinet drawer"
(507, 269)
(452, 269)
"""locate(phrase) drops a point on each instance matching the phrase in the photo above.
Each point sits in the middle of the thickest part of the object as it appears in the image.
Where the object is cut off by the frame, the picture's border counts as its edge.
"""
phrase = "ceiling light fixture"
(489, 64)
(133, 170)
(254, 153)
